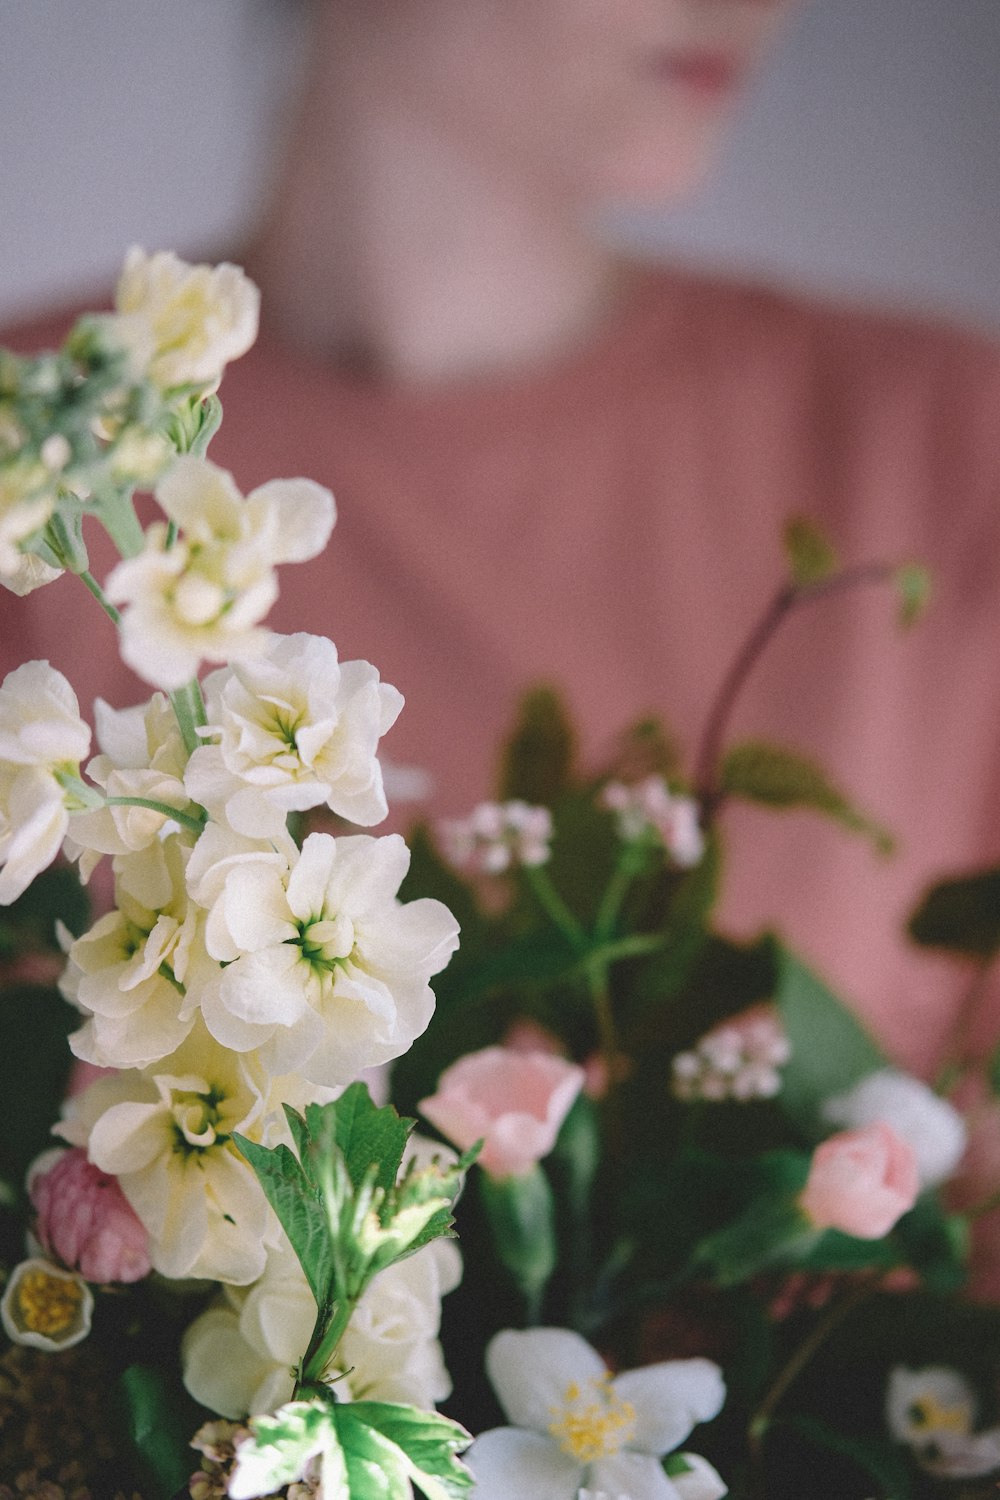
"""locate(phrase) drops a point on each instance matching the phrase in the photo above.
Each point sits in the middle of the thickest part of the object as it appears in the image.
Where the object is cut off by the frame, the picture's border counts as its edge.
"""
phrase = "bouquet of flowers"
(695, 1191)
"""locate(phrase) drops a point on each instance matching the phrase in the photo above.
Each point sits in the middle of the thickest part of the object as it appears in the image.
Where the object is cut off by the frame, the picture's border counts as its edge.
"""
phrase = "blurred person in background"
(554, 464)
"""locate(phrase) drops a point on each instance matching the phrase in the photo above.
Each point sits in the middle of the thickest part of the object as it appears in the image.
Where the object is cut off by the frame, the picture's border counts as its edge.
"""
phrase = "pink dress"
(612, 524)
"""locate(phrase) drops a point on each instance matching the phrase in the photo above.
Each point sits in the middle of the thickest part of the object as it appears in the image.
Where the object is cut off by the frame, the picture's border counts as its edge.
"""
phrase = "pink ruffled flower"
(85, 1220)
(861, 1181)
(514, 1101)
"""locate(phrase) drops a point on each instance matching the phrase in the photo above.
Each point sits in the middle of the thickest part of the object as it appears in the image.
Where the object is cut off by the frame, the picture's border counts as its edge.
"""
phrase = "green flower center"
(196, 1121)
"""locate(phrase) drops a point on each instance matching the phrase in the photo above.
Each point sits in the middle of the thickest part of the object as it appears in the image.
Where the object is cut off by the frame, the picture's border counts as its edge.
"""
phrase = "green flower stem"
(87, 796)
(521, 1215)
(189, 708)
(630, 862)
(323, 1345)
(763, 1417)
(102, 598)
(553, 905)
(194, 823)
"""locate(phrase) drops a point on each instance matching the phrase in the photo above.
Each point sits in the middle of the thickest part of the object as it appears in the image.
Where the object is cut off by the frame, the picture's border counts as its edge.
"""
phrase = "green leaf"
(771, 1230)
(686, 928)
(830, 1049)
(781, 778)
(369, 1450)
(537, 762)
(961, 916)
(913, 586)
(366, 1134)
(874, 1456)
(810, 555)
(300, 1211)
(935, 1243)
(159, 1426)
(424, 1444)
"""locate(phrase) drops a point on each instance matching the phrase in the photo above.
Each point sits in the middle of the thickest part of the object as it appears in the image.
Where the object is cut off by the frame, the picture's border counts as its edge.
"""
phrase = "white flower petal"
(509, 1464)
(669, 1399)
(636, 1475)
(530, 1371)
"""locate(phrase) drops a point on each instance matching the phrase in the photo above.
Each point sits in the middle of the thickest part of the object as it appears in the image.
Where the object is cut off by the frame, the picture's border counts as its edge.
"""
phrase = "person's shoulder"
(838, 333)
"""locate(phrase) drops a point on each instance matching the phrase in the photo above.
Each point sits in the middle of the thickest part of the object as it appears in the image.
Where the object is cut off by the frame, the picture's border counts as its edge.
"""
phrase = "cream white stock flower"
(129, 971)
(167, 1135)
(577, 1427)
(27, 500)
(203, 598)
(182, 324)
(42, 736)
(142, 756)
(295, 729)
(933, 1411)
(928, 1123)
(326, 972)
(239, 1356)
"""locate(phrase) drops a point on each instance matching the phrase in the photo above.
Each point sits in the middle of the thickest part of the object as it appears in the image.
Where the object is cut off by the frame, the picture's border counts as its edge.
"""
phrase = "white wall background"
(869, 164)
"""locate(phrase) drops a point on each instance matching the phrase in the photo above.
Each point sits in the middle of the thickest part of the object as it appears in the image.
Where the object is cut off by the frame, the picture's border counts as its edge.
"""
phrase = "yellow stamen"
(48, 1304)
(930, 1413)
(594, 1422)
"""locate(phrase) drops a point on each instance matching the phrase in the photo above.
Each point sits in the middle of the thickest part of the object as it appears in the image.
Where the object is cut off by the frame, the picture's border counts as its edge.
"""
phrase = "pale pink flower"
(498, 835)
(649, 806)
(861, 1181)
(514, 1101)
(86, 1221)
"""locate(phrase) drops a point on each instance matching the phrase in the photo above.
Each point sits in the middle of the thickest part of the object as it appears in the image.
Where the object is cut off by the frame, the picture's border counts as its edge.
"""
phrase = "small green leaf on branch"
(913, 587)
(810, 555)
(961, 916)
(781, 778)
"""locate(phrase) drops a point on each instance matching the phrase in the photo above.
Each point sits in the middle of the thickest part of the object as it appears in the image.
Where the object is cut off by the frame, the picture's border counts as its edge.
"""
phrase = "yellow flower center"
(47, 1304)
(593, 1421)
(930, 1413)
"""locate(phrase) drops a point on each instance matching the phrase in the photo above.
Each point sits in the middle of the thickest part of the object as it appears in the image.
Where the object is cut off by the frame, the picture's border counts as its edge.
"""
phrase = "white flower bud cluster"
(738, 1060)
(649, 807)
(498, 836)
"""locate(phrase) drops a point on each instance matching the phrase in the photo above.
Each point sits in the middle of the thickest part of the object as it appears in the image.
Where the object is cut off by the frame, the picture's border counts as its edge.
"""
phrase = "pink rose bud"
(861, 1181)
(85, 1220)
(514, 1101)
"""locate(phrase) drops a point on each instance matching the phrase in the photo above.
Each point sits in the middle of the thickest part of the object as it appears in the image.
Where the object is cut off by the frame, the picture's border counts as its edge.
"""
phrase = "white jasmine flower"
(45, 1306)
(167, 1135)
(931, 1125)
(575, 1426)
(295, 729)
(650, 807)
(325, 970)
(182, 324)
(42, 736)
(498, 835)
(239, 1355)
(204, 596)
(128, 973)
(933, 1411)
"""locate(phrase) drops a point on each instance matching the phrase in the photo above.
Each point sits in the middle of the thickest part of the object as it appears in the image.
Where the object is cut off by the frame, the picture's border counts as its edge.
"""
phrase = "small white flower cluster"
(648, 808)
(737, 1060)
(498, 836)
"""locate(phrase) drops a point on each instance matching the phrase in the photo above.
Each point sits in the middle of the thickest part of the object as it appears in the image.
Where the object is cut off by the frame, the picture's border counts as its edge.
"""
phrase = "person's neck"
(392, 248)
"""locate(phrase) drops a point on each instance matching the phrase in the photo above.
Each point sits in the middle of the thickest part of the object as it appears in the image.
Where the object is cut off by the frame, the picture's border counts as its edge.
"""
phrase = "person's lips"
(712, 74)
